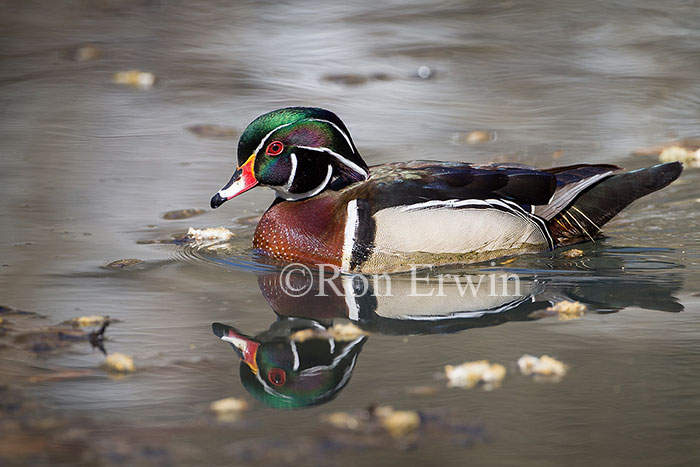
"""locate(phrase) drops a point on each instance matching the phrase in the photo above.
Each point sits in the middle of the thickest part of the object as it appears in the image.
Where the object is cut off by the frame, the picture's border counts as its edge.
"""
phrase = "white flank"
(446, 229)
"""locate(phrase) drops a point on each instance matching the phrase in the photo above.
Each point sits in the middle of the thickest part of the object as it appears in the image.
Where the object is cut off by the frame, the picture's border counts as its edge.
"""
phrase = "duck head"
(297, 151)
(285, 374)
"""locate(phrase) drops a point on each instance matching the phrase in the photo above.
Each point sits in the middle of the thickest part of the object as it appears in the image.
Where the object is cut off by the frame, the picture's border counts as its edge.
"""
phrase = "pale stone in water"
(228, 408)
(86, 53)
(119, 363)
(400, 423)
(338, 332)
(87, 321)
(342, 420)
(568, 310)
(477, 136)
(469, 374)
(678, 153)
(216, 233)
(135, 78)
(544, 368)
(573, 253)
(346, 332)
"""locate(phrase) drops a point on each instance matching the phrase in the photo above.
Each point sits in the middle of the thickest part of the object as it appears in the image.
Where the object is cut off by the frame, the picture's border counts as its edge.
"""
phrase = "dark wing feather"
(413, 182)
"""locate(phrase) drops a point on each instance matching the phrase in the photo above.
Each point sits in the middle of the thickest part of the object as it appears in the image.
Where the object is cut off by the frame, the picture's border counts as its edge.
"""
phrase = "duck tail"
(583, 218)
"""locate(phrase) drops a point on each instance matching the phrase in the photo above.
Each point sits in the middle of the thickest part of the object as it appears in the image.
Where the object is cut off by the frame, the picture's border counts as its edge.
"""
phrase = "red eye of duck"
(277, 376)
(274, 148)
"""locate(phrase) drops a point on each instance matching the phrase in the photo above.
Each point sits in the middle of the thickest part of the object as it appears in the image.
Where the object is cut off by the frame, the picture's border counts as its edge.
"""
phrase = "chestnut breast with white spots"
(309, 231)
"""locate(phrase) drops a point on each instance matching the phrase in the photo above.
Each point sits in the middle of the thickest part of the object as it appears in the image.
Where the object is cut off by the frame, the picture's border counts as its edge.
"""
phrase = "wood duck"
(331, 208)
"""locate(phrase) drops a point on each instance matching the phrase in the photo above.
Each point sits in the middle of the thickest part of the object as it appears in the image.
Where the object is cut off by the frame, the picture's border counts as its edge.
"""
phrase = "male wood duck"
(331, 208)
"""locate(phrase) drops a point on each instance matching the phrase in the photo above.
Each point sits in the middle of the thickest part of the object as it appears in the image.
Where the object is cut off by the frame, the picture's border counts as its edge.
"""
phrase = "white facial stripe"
(294, 196)
(347, 137)
(336, 360)
(269, 389)
(351, 223)
(292, 174)
(348, 163)
(262, 142)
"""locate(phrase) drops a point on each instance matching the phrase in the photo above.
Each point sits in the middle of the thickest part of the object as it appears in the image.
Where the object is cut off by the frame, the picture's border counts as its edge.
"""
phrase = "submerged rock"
(86, 53)
(182, 214)
(123, 263)
(422, 391)
(355, 79)
(213, 131)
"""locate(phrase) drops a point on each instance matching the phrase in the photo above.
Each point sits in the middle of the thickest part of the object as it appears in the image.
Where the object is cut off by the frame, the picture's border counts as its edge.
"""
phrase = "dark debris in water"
(42, 339)
(31, 434)
(359, 431)
(55, 339)
(183, 214)
(85, 53)
(10, 311)
(355, 79)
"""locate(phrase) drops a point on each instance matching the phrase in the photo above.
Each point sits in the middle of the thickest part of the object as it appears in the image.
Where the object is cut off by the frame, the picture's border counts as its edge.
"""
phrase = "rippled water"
(88, 168)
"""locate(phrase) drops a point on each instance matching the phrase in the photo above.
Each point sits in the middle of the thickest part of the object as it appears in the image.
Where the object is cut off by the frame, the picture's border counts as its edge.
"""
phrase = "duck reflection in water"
(285, 372)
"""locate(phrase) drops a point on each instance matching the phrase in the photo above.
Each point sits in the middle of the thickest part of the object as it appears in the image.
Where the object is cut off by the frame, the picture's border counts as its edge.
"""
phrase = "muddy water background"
(87, 168)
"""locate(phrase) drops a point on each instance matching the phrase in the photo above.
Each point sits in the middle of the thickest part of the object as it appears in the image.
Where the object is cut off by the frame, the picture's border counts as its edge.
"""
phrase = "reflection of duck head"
(286, 374)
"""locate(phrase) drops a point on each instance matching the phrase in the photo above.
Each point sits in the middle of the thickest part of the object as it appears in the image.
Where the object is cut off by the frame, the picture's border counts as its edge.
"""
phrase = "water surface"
(88, 168)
